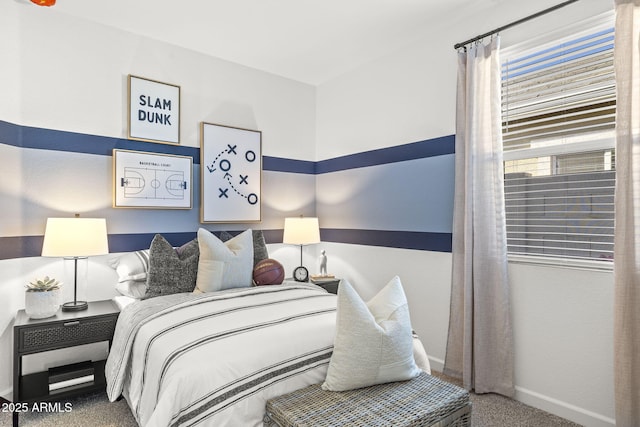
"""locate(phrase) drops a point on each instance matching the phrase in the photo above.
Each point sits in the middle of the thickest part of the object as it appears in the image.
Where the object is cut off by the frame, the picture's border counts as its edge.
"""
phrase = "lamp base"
(75, 306)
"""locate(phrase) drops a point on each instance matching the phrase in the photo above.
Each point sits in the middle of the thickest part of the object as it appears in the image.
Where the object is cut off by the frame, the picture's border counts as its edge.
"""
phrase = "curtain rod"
(513, 24)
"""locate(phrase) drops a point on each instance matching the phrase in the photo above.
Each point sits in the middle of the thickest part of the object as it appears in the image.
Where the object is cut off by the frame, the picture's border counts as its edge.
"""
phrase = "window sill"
(578, 264)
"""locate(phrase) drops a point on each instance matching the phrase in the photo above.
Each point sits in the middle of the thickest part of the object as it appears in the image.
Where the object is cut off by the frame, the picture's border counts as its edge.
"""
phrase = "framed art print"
(230, 174)
(154, 111)
(148, 180)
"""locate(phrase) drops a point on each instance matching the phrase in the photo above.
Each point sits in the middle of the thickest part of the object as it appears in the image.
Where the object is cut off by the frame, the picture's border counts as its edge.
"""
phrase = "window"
(558, 113)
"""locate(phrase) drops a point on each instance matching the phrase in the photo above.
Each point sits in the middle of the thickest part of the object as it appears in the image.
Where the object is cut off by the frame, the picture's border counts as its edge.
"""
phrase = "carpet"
(494, 410)
(95, 410)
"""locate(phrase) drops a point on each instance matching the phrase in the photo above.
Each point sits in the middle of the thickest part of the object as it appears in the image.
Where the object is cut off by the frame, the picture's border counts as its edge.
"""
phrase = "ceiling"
(310, 41)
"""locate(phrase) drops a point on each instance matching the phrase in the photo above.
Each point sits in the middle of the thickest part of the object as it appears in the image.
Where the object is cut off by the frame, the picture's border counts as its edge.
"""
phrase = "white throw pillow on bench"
(374, 342)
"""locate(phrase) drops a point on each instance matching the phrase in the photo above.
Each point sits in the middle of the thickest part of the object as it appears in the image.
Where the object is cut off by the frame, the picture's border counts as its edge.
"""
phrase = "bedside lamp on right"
(301, 231)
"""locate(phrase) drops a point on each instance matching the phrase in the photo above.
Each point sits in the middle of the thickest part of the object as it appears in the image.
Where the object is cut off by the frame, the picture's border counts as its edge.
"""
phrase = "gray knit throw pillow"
(171, 271)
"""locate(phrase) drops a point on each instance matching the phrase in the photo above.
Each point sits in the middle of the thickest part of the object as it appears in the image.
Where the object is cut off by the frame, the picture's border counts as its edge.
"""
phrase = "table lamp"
(75, 238)
(301, 231)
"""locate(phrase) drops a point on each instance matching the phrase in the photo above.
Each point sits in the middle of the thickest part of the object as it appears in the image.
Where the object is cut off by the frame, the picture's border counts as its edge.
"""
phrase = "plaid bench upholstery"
(423, 401)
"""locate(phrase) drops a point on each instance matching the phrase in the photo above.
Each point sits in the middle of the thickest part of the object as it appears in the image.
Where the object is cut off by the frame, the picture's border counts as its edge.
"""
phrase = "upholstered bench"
(423, 401)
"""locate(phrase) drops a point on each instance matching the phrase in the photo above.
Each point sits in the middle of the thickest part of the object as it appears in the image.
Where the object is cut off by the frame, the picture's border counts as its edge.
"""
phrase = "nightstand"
(65, 329)
(330, 284)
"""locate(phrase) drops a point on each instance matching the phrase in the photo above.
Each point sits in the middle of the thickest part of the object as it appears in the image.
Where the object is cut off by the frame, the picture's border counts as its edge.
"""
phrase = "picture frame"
(151, 180)
(153, 110)
(230, 174)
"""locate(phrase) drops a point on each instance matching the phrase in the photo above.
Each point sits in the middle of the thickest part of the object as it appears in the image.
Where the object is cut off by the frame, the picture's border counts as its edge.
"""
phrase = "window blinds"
(558, 111)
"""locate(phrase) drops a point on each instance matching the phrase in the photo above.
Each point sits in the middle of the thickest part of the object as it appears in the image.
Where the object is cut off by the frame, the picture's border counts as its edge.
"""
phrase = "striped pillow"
(132, 269)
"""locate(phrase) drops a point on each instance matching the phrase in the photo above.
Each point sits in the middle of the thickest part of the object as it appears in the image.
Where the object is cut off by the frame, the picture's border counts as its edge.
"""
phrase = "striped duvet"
(215, 359)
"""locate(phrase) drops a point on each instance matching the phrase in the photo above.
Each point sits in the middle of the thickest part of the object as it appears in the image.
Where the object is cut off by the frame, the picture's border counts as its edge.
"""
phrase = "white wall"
(73, 77)
(563, 337)
(10, 94)
(562, 317)
(398, 99)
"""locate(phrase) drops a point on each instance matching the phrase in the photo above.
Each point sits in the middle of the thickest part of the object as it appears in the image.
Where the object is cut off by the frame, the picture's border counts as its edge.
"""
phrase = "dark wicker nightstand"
(330, 284)
(65, 329)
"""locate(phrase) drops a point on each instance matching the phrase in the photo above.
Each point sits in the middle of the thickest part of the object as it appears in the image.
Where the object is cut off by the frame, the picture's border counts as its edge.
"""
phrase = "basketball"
(268, 272)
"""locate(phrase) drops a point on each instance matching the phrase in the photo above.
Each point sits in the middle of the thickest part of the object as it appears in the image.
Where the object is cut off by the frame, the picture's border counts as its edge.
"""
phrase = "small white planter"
(39, 305)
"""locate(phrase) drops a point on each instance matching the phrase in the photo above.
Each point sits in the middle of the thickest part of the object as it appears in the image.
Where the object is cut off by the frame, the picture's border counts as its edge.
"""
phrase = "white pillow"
(132, 269)
(420, 355)
(373, 343)
(224, 265)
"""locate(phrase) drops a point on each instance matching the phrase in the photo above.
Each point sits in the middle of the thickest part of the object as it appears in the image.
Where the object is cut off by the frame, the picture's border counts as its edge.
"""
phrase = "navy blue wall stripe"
(279, 164)
(399, 153)
(10, 133)
(31, 246)
(49, 139)
(136, 242)
(416, 150)
(20, 246)
(419, 240)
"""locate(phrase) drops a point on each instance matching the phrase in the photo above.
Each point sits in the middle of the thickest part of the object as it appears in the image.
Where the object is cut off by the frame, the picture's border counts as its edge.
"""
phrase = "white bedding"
(215, 359)
(122, 301)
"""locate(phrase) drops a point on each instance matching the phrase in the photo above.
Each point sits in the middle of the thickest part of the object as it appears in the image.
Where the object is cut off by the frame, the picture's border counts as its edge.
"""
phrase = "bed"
(197, 345)
(214, 359)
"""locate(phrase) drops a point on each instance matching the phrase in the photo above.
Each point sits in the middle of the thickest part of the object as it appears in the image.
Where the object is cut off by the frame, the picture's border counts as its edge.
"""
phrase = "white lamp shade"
(301, 231)
(75, 237)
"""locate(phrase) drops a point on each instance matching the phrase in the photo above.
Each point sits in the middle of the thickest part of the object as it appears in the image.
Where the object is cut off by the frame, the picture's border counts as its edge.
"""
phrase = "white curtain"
(627, 220)
(480, 343)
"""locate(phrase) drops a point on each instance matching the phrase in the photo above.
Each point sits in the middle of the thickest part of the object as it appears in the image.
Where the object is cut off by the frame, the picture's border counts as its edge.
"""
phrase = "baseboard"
(557, 407)
(436, 364)
(563, 409)
(7, 393)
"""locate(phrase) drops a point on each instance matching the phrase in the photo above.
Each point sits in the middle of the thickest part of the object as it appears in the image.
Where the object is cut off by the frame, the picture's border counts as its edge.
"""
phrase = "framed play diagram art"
(147, 180)
(154, 111)
(230, 174)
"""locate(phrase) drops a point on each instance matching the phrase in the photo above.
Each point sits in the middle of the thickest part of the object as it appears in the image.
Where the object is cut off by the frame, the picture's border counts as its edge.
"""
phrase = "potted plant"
(42, 298)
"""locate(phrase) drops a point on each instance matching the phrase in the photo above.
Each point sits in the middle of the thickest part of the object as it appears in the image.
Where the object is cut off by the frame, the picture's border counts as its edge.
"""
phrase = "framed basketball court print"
(148, 180)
